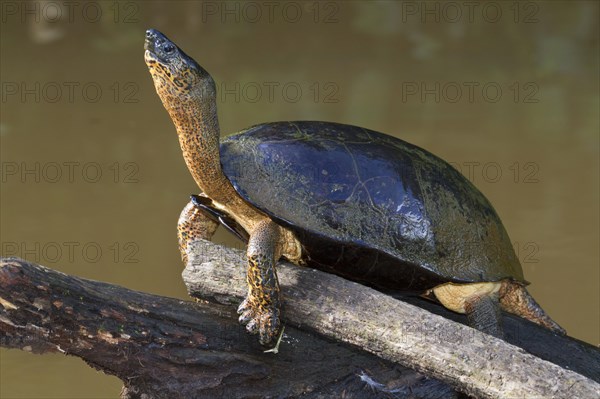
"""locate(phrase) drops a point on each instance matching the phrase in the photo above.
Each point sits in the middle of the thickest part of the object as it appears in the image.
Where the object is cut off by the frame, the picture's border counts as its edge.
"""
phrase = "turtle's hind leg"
(484, 314)
(515, 299)
(479, 301)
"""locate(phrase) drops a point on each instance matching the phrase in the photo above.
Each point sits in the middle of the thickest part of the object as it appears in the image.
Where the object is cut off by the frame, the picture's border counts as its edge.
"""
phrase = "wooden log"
(472, 362)
(167, 348)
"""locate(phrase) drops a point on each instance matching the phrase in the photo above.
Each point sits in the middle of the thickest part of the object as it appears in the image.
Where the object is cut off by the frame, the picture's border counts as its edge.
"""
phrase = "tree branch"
(167, 348)
(162, 347)
(469, 360)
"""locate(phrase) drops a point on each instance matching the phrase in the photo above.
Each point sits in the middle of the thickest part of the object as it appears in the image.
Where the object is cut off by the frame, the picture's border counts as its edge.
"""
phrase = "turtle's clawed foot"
(246, 312)
(263, 320)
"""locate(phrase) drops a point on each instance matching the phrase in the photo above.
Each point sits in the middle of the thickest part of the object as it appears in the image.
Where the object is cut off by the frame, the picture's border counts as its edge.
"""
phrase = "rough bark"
(167, 348)
(473, 362)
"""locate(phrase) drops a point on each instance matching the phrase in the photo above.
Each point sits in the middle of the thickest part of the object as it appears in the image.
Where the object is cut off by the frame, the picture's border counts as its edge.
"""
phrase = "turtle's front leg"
(261, 308)
(194, 224)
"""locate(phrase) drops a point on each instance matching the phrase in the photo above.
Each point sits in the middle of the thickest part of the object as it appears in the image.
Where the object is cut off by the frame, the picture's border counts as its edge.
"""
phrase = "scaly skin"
(481, 302)
(515, 299)
(484, 314)
(188, 93)
(261, 308)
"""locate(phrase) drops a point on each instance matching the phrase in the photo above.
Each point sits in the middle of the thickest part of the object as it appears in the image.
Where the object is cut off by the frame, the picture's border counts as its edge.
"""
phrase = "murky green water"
(93, 179)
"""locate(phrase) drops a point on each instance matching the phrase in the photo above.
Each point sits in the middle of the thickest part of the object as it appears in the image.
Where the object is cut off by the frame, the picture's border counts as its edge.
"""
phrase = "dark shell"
(369, 206)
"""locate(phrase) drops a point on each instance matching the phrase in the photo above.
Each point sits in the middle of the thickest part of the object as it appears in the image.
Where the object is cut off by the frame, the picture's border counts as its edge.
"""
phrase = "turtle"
(347, 200)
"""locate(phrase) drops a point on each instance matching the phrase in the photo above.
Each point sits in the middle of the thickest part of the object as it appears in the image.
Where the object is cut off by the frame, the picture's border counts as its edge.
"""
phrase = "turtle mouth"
(149, 43)
(150, 58)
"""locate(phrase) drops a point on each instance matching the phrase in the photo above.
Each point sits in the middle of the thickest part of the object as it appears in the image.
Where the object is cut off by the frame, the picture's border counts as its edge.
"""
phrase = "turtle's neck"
(195, 118)
(198, 130)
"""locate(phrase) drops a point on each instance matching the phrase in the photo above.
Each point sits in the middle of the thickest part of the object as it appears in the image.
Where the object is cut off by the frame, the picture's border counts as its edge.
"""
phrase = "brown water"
(93, 179)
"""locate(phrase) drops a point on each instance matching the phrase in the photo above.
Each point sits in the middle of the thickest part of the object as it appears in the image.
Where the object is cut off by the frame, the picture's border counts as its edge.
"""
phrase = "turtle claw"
(246, 312)
(244, 307)
(252, 326)
(269, 328)
(263, 320)
(246, 318)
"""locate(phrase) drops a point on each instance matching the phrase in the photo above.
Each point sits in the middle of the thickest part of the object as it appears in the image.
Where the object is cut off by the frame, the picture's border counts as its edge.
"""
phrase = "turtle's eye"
(169, 48)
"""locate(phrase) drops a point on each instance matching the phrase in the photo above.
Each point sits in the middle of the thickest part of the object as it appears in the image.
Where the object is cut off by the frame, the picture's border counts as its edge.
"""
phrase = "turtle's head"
(177, 77)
